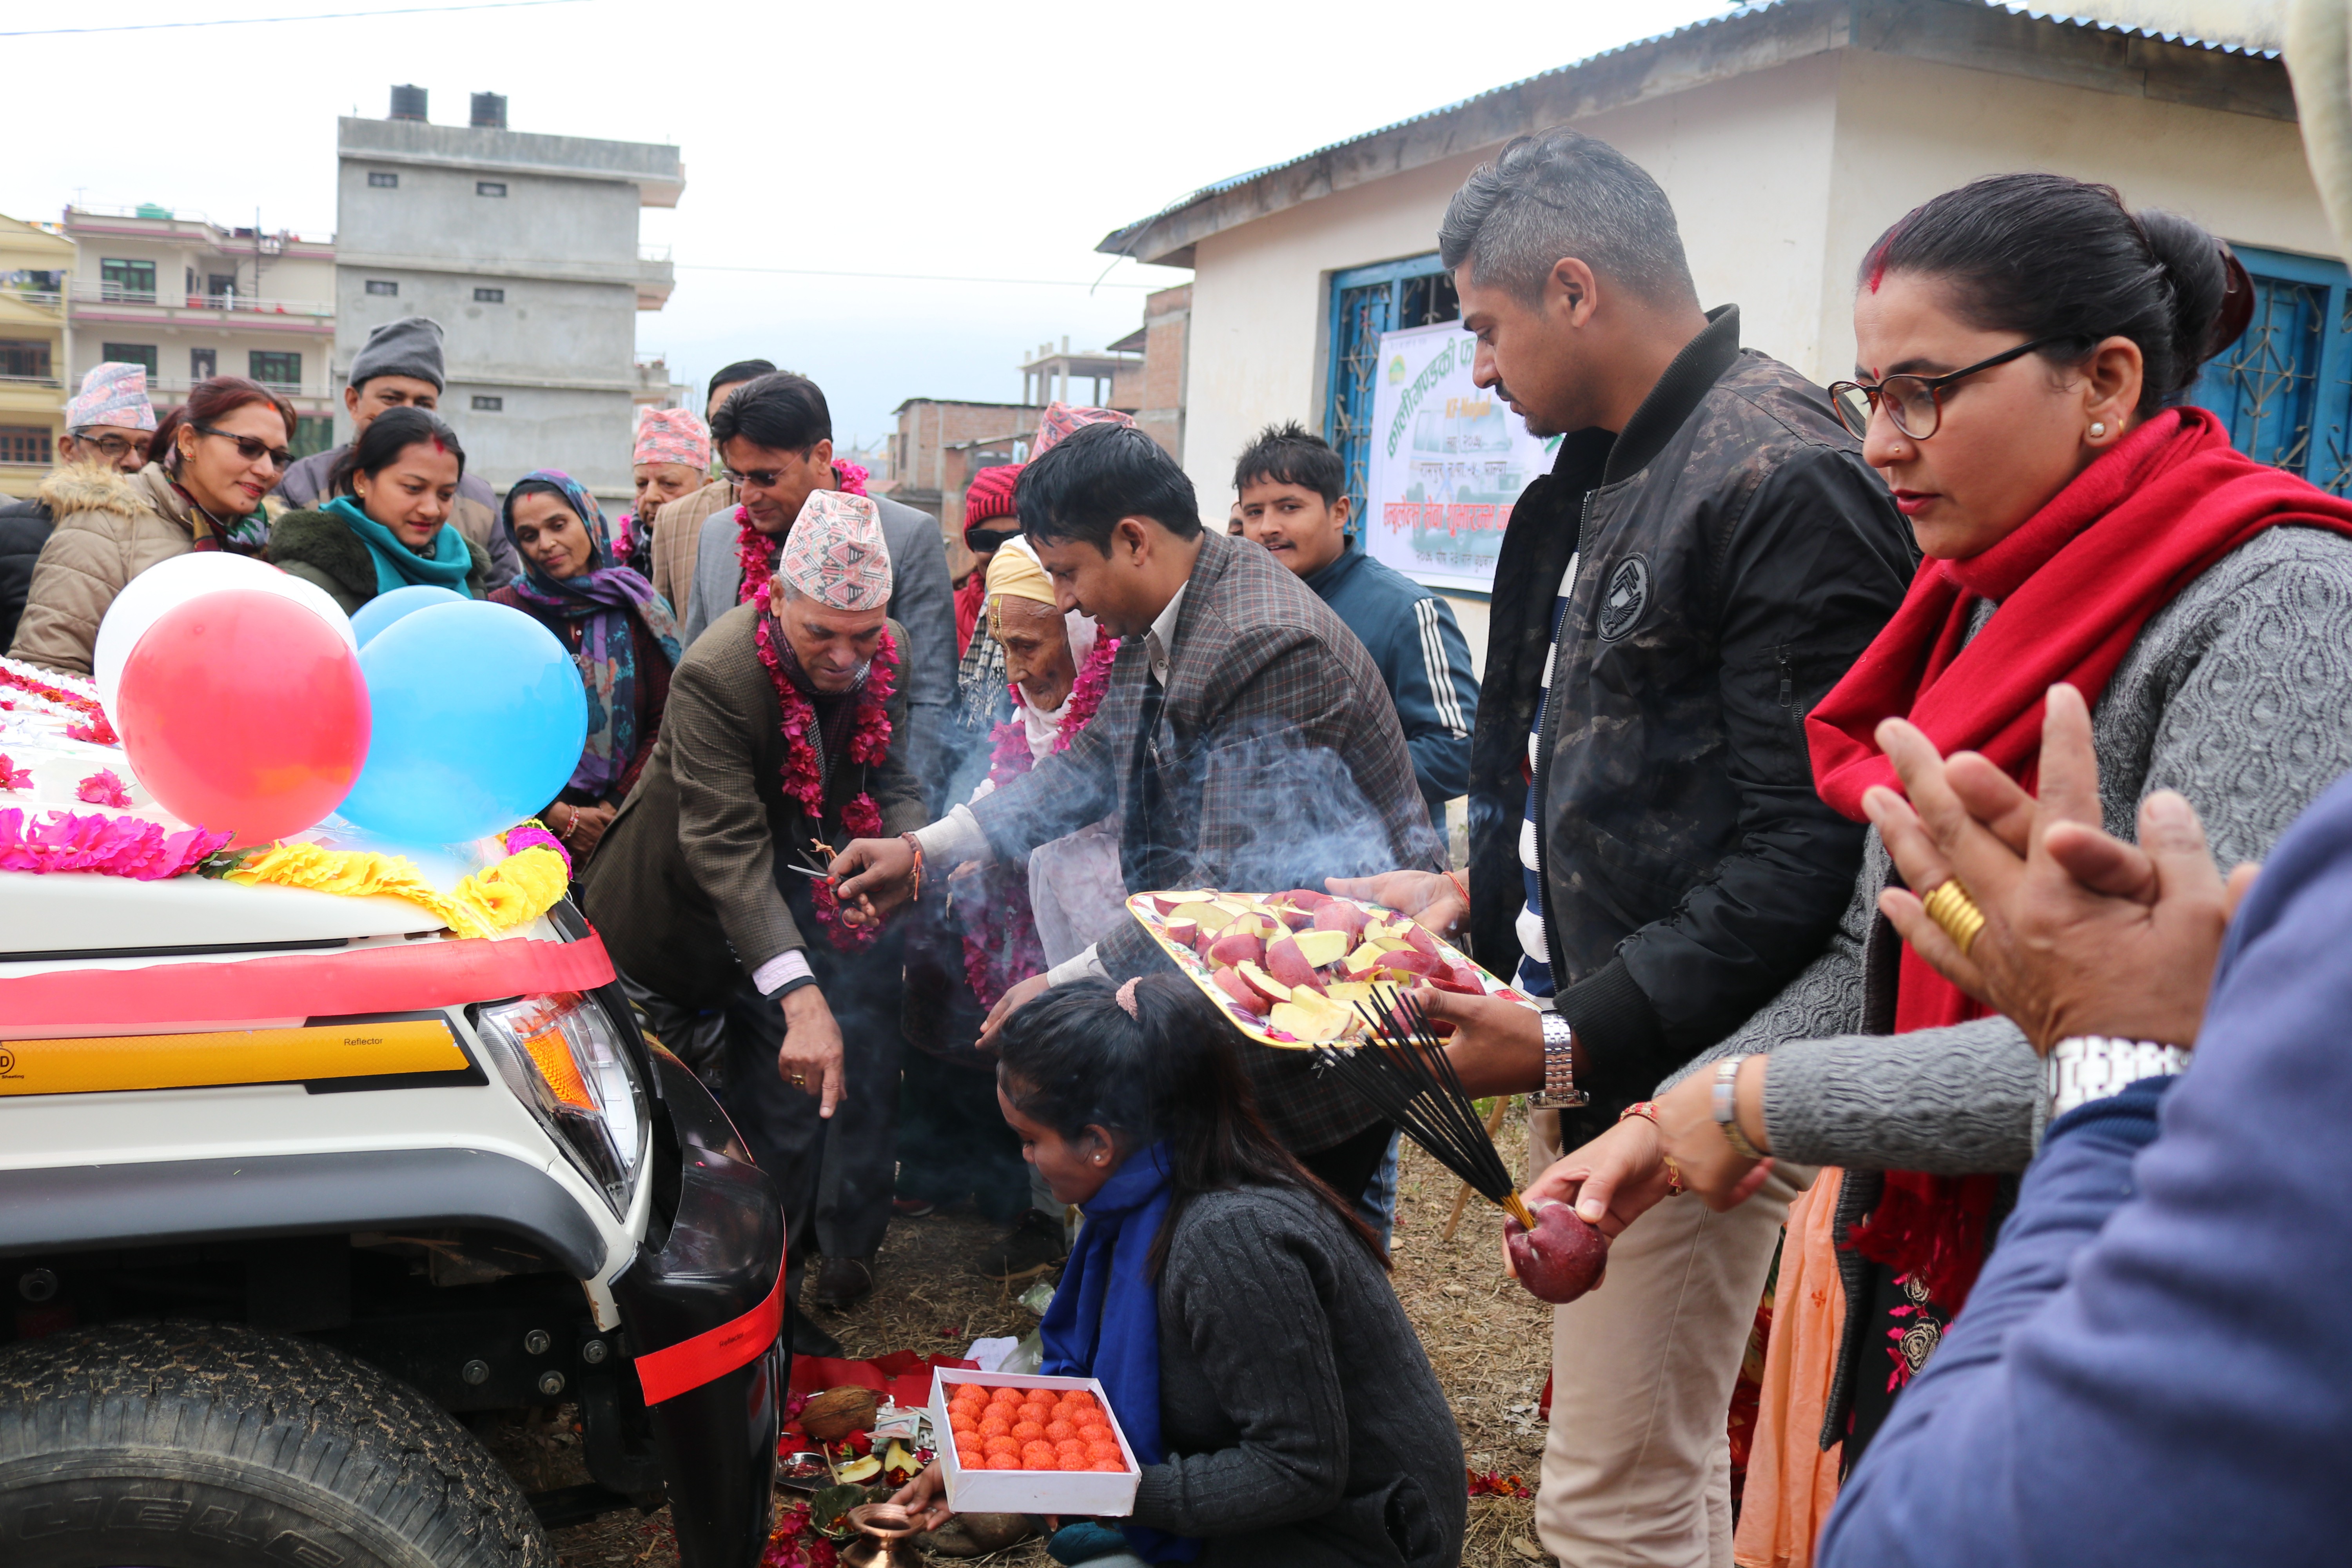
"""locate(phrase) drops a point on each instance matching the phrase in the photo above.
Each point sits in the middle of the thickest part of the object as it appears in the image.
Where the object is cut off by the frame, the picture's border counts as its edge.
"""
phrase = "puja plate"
(1156, 912)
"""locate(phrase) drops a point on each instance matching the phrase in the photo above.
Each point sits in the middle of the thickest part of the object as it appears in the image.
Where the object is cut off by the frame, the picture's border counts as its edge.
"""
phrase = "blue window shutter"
(1365, 302)
(2284, 389)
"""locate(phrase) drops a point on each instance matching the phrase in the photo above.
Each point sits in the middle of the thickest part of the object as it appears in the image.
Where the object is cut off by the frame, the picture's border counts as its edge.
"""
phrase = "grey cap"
(410, 346)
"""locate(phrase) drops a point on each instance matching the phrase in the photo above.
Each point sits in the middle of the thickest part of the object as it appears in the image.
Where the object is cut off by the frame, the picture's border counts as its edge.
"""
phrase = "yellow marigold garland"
(518, 889)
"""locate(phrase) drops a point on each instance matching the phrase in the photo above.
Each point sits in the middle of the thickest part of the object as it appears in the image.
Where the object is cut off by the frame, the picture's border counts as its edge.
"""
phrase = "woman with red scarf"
(2024, 346)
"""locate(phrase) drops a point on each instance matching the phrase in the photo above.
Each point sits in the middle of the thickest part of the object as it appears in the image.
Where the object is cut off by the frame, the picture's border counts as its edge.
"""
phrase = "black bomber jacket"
(1736, 556)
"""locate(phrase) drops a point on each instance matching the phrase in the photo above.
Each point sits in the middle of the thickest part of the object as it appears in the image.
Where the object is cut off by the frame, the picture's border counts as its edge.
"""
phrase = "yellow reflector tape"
(116, 1062)
(552, 1057)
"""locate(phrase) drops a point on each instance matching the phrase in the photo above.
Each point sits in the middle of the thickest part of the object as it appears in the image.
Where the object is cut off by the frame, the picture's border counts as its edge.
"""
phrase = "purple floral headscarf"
(606, 596)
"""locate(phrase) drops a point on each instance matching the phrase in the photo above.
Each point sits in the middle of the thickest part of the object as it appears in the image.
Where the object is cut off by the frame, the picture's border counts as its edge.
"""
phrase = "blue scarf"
(398, 566)
(1105, 1318)
(607, 597)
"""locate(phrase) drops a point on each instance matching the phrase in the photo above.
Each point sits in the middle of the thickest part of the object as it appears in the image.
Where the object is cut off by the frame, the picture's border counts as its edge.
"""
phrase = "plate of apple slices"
(1290, 967)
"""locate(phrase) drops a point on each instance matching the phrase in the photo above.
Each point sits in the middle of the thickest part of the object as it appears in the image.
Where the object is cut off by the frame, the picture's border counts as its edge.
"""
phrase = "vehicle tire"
(213, 1445)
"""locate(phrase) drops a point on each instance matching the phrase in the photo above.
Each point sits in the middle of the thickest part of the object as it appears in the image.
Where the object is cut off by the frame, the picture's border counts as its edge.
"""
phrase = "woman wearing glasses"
(2026, 348)
(201, 491)
(387, 525)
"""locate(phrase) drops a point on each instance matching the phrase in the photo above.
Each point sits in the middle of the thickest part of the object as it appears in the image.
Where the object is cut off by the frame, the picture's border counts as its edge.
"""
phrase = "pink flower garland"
(755, 552)
(870, 741)
(1000, 945)
(112, 845)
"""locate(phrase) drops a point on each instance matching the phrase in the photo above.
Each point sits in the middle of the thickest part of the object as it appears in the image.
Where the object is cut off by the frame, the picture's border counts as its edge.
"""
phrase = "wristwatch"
(2085, 1068)
(1727, 1109)
(1559, 1091)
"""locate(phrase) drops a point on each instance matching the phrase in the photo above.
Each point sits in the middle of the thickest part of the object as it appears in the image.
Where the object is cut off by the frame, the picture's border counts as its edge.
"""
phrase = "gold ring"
(1948, 905)
(1676, 1186)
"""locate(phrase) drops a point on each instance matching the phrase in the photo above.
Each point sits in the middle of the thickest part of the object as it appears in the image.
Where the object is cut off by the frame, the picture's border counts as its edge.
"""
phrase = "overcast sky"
(912, 138)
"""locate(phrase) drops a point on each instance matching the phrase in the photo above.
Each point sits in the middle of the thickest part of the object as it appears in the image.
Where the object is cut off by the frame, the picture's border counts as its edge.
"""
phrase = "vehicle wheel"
(211, 1446)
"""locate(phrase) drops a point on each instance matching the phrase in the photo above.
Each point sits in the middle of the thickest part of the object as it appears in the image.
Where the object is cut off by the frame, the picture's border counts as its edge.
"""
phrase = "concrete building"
(36, 264)
(1788, 135)
(1107, 378)
(942, 443)
(190, 299)
(1164, 340)
(524, 248)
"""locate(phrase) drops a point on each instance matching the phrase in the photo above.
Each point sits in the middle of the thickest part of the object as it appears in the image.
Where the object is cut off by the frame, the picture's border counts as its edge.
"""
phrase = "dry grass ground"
(1489, 1341)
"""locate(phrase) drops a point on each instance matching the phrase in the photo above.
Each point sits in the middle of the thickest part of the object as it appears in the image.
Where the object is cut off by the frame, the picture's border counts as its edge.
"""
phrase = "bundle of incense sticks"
(1403, 1069)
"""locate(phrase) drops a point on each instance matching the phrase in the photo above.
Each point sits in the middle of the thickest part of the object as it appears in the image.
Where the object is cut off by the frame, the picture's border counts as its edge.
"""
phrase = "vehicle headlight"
(561, 1056)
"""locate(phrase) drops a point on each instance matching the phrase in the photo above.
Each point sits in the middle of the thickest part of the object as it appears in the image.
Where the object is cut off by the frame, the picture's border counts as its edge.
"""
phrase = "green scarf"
(398, 566)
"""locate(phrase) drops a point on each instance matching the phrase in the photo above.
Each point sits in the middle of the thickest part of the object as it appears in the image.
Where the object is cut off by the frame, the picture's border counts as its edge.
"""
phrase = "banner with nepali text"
(1446, 461)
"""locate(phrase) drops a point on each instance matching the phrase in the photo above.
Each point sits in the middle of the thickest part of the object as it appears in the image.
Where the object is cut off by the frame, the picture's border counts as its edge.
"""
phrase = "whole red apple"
(1561, 1258)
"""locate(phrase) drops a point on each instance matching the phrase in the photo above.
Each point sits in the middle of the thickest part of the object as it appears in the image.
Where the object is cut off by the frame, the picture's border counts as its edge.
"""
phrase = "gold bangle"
(1948, 905)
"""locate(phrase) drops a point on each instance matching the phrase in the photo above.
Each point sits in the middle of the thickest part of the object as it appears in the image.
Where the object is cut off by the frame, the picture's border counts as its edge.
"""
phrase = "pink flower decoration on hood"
(103, 788)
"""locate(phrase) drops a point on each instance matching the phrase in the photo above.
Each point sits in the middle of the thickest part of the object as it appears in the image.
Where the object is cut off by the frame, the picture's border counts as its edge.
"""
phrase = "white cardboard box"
(1095, 1493)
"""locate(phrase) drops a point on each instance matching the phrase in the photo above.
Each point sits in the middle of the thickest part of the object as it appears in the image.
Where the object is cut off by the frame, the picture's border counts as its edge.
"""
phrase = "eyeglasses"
(251, 450)
(756, 479)
(113, 449)
(1914, 403)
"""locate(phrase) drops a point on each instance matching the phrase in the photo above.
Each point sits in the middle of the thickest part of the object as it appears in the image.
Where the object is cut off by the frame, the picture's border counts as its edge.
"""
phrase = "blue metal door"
(1365, 302)
(2284, 389)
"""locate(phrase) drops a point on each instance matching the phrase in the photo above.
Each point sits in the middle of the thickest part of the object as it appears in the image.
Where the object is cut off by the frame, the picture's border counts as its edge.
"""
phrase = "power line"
(317, 17)
(914, 276)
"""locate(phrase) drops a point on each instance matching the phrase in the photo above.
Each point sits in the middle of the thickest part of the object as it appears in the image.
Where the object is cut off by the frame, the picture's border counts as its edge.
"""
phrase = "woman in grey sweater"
(2066, 503)
(1237, 1312)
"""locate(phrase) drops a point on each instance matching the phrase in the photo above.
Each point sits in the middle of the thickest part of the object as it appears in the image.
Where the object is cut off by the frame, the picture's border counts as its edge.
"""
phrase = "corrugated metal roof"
(1734, 13)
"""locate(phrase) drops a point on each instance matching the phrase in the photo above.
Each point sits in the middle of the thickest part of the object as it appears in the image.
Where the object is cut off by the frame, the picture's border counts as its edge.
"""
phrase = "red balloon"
(243, 710)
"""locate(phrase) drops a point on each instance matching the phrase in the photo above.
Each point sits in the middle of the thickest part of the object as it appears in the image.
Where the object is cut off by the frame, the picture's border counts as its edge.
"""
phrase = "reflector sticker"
(98, 1064)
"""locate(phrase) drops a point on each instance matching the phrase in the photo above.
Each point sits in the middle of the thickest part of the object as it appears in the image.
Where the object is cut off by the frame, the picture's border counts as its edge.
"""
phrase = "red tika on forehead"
(1878, 266)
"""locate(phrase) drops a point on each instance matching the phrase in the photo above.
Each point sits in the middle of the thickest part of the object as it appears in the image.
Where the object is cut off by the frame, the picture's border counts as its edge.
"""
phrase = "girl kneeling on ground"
(1235, 1311)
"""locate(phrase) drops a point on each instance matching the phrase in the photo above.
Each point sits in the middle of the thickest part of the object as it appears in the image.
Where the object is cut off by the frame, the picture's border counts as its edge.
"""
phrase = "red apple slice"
(1168, 903)
(1230, 949)
(1305, 897)
(1297, 919)
(1421, 941)
(1457, 982)
(1414, 963)
(1230, 983)
(1342, 916)
(1268, 989)
(1183, 933)
(1286, 963)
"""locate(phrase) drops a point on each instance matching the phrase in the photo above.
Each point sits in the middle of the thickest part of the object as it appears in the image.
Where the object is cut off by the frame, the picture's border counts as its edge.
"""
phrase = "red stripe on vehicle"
(415, 974)
(707, 1357)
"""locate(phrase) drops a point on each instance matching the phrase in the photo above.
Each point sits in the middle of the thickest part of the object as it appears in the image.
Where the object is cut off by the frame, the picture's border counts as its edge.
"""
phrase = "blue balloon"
(386, 608)
(480, 718)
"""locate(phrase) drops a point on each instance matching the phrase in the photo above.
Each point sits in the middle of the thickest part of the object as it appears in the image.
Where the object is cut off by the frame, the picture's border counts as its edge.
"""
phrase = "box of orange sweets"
(1015, 1443)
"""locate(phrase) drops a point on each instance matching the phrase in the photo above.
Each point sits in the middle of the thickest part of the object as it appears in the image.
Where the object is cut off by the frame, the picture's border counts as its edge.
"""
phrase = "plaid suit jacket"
(1280, 763)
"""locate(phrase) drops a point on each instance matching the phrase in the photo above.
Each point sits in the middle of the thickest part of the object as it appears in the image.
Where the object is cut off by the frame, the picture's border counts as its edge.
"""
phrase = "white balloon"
(168, 584)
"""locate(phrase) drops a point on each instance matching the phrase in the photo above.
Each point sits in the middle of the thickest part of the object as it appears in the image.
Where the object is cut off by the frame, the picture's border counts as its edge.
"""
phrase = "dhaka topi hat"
(1064, 420)
(835, 553)
(114, 393)
(673, 436)
(410, 346)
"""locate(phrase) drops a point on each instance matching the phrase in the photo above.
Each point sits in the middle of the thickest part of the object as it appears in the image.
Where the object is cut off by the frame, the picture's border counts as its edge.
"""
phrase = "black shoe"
(1032, 1246)
(810, 1339)
(842, 1283)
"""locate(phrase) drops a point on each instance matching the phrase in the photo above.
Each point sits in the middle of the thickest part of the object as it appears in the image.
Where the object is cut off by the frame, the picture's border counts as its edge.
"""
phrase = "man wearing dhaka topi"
(784, 733)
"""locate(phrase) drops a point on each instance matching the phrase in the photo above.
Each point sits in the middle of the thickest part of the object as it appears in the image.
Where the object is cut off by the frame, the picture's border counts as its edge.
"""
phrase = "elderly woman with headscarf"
(1010, 921)
(672, 460)
(618, 630)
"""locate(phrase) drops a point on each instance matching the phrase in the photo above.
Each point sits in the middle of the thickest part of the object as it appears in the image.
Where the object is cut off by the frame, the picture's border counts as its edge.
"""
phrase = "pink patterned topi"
(1064, 420)
(115, 393)
(835, 554)
(673, 436)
